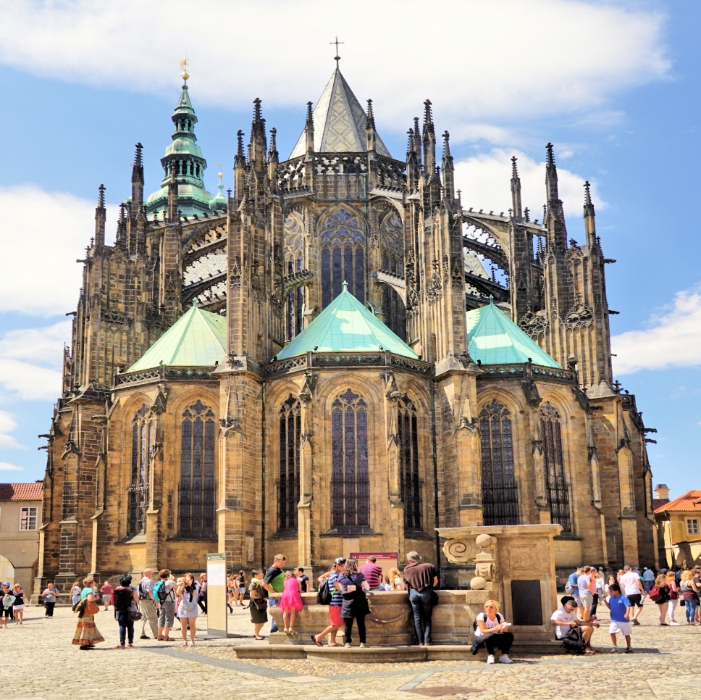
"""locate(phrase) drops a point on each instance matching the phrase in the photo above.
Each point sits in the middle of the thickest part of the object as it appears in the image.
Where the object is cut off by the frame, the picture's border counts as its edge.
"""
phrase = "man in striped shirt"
(372, 573)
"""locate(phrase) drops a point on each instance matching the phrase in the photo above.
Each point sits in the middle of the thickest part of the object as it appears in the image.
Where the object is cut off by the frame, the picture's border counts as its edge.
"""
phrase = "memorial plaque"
(526, 603)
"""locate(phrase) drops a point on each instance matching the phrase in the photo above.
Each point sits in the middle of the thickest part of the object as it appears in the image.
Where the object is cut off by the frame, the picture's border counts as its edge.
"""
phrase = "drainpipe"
(262, 498)
(435, 469)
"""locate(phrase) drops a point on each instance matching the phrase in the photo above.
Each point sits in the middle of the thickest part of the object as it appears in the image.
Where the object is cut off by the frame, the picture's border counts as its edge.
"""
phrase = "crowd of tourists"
(624, 595)
(159, 599)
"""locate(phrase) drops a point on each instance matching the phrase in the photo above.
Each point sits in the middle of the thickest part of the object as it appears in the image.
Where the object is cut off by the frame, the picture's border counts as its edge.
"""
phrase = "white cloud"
(7, 467)
(41, 276)
(7, 425)
(30, 361)
(476, 60)
(673, 339)
(485, 181)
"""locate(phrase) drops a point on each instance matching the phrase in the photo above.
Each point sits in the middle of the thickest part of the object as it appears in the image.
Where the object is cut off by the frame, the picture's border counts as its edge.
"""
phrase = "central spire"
(339, 122)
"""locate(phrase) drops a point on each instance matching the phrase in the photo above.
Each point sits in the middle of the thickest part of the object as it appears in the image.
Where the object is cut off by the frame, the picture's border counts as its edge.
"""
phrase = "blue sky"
(614, 85)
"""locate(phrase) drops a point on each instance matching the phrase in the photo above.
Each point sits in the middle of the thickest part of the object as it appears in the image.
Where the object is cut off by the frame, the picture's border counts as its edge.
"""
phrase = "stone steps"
(378, 654)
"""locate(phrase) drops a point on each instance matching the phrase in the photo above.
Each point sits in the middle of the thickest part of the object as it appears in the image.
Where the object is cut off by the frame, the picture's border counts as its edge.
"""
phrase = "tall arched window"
(288, 477)
(392, 241)
(294, 262)
(407, 424)
(342, 256)
(499, 490)
(558, 491)
(350, 485)
(197, 492)
(142, 433)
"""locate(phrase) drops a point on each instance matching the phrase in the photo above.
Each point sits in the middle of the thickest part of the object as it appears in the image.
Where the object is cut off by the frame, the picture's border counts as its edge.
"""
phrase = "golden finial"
(221, 174)
(183, 68)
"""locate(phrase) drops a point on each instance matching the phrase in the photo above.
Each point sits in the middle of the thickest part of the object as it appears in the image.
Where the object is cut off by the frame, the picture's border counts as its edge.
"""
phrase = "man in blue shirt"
(621, 609)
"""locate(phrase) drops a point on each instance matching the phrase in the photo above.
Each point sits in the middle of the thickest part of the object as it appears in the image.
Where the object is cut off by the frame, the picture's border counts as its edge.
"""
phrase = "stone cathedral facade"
(320, 363)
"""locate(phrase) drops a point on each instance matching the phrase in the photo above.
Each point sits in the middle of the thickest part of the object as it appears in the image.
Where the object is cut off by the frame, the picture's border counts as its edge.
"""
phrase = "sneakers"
(614, 650)
(629, 650)
(635, 622)
(363, 645)
(490, 659)
(143, 636)
(674, 624)
(504, 659)
(663, 624)
(347, 645)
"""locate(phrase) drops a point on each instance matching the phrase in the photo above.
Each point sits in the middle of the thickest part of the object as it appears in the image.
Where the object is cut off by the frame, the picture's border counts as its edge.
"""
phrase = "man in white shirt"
(633, 590)
(565, 618)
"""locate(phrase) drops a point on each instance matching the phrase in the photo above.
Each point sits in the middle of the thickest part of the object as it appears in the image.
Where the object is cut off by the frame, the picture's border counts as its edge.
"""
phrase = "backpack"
(573, 640)
(656, 594)
(325, 594)
(123, 598)
(142, 594)
(161, 591)
(569, 588)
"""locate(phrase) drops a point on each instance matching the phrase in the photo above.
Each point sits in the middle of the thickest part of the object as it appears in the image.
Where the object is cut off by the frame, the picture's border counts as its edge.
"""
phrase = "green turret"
(185, 157)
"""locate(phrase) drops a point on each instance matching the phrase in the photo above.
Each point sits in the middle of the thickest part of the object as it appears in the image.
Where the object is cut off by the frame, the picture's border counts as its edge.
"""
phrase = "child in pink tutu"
(291, 602)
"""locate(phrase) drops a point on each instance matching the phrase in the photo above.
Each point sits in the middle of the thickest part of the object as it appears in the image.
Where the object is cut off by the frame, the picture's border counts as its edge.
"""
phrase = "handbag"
(133, 613)
(91, 608)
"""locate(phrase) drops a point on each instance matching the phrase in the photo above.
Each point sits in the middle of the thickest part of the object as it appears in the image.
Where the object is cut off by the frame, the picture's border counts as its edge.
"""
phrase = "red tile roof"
(690, 502)
(22, 492)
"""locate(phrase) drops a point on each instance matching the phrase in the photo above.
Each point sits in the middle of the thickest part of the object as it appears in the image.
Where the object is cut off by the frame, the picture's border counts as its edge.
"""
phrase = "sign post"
(216, 595)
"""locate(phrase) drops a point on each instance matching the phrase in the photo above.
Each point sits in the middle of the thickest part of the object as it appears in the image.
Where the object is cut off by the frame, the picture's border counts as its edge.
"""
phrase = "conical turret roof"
(494, 339)
(339, 122)
(345, 325)
(197, 339)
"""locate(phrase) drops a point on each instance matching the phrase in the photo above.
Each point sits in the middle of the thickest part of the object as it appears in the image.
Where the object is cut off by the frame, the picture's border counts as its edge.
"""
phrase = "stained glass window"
(558, 489)
(499, 490)
(342, 255)
(138, 488)
(410, 482)
(288, 475)
(197, 488)
(350, 486)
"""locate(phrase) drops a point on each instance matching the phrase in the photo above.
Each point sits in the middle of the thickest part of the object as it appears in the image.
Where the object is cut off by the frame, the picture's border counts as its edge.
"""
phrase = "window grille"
(558, 489)
(28, 518)
(288, 476)
(350, 497)
(197, 496)
(499, 488)
(410, 482)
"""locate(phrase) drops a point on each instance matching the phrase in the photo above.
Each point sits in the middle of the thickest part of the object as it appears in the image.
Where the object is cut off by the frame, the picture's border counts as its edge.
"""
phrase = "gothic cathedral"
(320, 363)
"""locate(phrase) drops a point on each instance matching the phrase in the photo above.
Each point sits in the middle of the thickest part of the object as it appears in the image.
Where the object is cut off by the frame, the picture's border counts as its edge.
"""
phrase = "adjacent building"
(20, 519)
(319, 363)
(679, 528)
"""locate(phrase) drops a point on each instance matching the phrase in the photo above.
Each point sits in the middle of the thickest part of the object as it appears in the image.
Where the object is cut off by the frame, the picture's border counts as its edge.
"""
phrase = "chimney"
(662, 492)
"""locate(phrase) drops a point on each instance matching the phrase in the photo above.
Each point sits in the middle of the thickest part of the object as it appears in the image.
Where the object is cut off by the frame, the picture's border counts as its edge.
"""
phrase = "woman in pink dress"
(291, 602)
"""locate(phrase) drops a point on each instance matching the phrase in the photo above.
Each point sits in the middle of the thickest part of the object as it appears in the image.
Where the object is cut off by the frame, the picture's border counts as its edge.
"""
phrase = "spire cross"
(336, 58)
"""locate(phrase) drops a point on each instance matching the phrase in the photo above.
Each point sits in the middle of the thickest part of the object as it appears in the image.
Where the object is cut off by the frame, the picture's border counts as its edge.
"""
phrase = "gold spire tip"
(183, 68)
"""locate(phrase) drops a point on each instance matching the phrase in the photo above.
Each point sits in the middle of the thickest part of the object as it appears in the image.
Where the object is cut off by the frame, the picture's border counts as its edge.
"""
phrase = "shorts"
(577, 599)
(620, 627)
(635, 600)
(17, 607)
(7, 612)
(335, 615)
(587, 599)
(242, 589)
(106, 599)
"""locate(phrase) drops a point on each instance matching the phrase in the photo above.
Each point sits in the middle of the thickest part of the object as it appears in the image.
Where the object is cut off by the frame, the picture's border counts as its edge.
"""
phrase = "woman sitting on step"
(492, 632)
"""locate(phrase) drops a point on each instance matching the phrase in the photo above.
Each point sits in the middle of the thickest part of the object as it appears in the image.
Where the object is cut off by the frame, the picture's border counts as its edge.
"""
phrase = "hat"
(6, 584)
(339, 560)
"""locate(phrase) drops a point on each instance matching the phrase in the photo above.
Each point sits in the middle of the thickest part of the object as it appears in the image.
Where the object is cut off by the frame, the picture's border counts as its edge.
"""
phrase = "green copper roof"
(494, 339)
(345, 325)
(219, 201)
(339, 122)
(197, 339)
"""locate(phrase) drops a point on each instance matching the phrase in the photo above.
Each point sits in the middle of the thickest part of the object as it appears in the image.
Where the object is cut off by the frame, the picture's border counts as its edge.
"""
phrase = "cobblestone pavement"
(41, 664)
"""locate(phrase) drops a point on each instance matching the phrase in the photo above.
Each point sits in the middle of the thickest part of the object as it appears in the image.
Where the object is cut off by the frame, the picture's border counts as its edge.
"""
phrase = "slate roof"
(690, 502)
(197, 339)
(659, 502)
(339, 122)
(494, 339)
(22, 492)
(345, 325)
